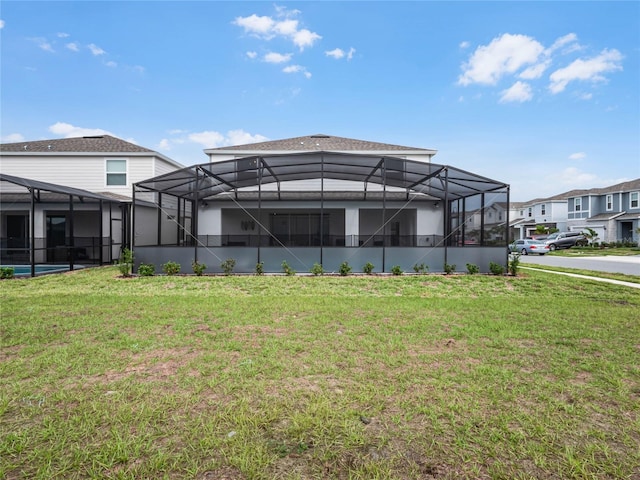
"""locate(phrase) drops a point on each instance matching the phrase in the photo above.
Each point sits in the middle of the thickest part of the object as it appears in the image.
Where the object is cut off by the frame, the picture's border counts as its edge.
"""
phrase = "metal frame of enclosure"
(24, 196)
(180, 196)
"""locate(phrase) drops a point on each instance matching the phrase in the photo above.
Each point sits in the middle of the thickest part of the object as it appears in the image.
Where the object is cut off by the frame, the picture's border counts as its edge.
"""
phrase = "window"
(577, 204)
(633, 199)
(609, 202)
(116, 172)
(530, 212)
(543, 209)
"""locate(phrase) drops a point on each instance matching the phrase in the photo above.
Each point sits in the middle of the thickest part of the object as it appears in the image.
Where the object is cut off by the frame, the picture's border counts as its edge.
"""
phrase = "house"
(549, 212)
(321, 199)
(612, 212)
(69, 200)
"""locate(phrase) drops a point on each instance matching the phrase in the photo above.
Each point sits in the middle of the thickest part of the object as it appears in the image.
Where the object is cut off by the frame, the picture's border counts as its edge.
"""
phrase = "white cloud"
(518, 92)
(252, 54)
(464, 45)
(212, 139)
(586, 96)
(257, 26)
(570, 38)
(297, 69)
(62, 35)
(504, 55)
(95, 50)
(1, 24)
(535, 71)
(176, 131)
(305, 38)
(267, 28)
(577, 156)
(273, 57)
(209, 139)
(43, 44)
(13, 138)
(73, 46)
(111, 64)
(336, 53)
(571, 177)
(589, 70)
(67, 130)
(164, 144)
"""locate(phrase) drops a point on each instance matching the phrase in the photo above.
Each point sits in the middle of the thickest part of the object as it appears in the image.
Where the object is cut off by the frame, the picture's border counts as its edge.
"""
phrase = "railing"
(314, 241)
(86, 250)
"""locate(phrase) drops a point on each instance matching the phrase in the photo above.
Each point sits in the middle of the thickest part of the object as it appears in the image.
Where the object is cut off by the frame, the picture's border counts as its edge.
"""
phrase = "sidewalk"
(587, 277)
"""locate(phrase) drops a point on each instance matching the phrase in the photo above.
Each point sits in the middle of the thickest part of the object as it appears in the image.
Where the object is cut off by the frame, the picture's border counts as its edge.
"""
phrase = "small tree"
(125, 263)
(228, 265)
(345, 269)
(198, 268)
(590, 234)
(260, 268)
(368, 268)
(317, 269)
(514, 264)
(287, 269)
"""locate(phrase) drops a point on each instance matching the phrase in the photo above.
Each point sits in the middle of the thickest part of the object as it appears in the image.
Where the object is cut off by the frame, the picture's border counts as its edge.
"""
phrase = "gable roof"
(320, 142)
(98, 143)
(629, 186)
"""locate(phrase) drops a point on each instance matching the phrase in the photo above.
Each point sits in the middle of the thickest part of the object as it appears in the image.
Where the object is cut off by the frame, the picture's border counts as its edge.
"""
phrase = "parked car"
(528, 245)
(559, 240)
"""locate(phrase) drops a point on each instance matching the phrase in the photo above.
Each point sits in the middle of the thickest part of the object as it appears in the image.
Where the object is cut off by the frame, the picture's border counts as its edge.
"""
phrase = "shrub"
(198, 268)
(396, 270)
(7, 272)
(472, 268)
(259, 268)
(514, 264)
(146, 269)
(227, 266)
(287, 269)
(420, 268)
(171, 268)
(317, 269)
(125, 263)
(368, 268)
(345, 269)
(496, 268)
(449, 268)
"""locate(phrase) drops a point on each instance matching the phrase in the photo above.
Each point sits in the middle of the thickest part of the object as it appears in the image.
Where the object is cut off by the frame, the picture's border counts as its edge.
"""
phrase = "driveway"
(626, 265)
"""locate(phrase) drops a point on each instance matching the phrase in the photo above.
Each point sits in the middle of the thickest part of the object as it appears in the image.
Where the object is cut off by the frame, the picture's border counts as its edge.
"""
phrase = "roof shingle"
(320, 142)
(100, 143)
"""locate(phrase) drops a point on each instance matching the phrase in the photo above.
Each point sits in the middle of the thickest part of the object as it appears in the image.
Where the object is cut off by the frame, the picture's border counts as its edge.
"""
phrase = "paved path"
(598, 279)
(629, 265)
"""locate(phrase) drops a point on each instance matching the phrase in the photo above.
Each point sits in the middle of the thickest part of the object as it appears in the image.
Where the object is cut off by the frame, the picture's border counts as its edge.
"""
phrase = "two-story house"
(70, 199)
(612, 212)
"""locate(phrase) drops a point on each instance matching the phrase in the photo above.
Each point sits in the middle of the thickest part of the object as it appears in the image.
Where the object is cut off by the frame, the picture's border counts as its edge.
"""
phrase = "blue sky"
(542, 95)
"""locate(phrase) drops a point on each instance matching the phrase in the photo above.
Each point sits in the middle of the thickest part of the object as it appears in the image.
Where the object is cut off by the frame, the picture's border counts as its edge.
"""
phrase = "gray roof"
(320, 142)
(98, 143)
(630, 186)
(604, 216)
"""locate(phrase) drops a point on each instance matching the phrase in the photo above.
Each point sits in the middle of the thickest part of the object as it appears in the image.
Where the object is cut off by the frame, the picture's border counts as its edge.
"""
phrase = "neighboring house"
(549, 212)
(322, 199)
(612, 212)
(71, 193)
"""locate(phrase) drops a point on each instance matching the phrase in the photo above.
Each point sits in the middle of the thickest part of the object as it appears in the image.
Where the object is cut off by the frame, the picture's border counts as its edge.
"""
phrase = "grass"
(403, 377)
(596, 252)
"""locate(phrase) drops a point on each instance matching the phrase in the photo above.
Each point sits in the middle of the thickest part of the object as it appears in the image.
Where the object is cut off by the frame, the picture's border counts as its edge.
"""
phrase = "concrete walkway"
(597, 279)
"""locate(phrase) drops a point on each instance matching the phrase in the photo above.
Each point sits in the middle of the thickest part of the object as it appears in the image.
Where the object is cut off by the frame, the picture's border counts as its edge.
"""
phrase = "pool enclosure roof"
(207, 180)
(49, 192)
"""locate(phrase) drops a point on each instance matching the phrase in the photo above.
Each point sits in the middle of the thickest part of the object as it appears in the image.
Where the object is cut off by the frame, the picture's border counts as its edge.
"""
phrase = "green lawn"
(244, 377)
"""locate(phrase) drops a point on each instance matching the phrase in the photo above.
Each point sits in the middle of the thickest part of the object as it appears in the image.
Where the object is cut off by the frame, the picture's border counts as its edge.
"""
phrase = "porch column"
(351, 226)
(72, 241)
